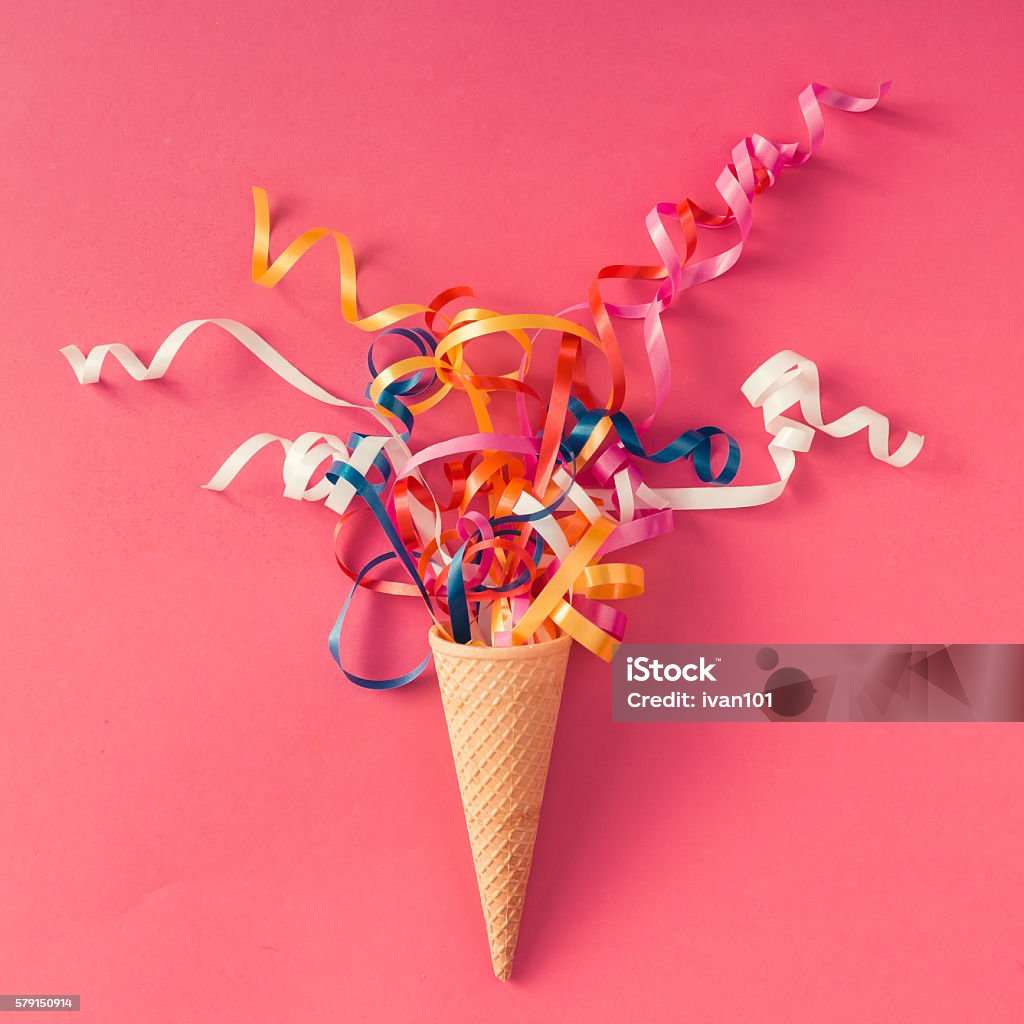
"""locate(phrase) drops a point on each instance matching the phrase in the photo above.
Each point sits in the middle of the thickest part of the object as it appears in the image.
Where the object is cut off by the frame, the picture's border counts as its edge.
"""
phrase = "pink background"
(200, 820)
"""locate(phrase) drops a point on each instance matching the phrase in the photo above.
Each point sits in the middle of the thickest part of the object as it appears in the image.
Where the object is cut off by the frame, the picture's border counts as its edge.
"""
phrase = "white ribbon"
(783, 382)
(776, 386)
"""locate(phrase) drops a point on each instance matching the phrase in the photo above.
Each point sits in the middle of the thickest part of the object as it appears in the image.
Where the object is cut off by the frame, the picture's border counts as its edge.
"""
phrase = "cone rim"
(440, 644)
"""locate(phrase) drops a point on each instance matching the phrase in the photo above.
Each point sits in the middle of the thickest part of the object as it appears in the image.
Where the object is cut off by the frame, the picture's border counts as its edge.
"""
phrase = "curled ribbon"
(511, 548)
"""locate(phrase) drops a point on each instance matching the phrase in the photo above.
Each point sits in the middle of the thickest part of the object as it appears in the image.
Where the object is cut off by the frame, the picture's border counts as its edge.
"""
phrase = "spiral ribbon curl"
(512, 548)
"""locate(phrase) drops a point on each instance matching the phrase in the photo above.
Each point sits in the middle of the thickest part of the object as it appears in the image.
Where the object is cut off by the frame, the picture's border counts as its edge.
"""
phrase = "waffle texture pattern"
(501, 705)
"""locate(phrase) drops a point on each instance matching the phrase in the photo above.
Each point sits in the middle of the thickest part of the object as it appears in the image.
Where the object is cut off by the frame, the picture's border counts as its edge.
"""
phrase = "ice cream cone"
(501, 704)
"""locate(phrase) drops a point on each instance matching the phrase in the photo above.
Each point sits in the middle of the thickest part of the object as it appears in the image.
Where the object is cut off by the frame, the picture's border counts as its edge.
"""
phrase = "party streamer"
(503, 536)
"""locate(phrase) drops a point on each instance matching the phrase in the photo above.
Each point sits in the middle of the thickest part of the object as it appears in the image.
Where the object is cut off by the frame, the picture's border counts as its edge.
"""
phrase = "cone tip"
(502, 964)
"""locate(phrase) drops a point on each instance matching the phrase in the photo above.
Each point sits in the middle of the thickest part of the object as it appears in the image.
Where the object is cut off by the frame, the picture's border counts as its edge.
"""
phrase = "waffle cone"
(501, 704)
